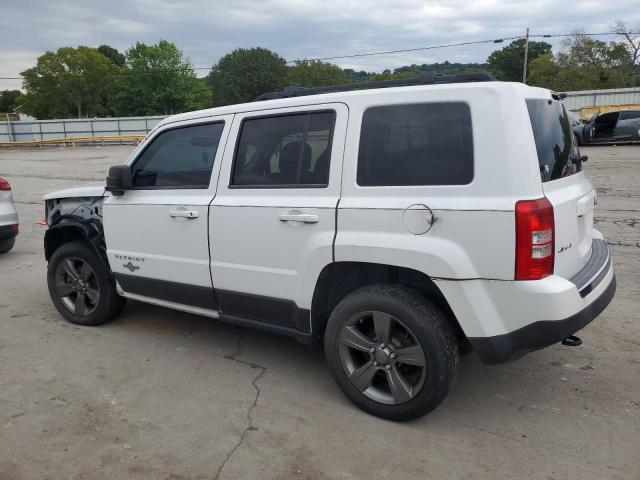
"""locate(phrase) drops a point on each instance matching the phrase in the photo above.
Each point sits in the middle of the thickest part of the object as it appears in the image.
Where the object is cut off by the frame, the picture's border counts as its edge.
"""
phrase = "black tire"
(102, 305)
(7, 244)
(428, 329)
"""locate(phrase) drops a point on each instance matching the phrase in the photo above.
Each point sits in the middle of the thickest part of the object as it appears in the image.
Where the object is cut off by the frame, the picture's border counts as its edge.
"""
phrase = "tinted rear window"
(416, 144)
(554, 139)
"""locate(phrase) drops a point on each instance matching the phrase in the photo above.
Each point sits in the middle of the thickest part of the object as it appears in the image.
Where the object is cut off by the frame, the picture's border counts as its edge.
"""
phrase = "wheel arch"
(69, 228)
(339, 279)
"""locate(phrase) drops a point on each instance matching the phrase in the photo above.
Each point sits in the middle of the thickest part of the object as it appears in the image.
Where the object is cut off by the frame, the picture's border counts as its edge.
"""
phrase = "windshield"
(555, 143)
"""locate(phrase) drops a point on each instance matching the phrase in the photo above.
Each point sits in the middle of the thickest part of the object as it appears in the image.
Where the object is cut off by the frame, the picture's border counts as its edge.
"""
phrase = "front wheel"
(391, 351)
(81, 285)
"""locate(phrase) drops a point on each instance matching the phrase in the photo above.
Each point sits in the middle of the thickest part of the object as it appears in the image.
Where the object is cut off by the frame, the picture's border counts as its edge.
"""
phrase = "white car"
(8, 218)
(399, 226)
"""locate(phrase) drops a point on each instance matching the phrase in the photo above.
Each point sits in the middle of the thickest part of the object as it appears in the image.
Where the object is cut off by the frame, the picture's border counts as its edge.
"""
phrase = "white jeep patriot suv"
(399, 226)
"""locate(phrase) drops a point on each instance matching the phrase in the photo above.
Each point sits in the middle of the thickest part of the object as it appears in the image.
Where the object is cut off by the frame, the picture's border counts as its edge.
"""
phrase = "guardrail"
(73, 141)
(34, 130)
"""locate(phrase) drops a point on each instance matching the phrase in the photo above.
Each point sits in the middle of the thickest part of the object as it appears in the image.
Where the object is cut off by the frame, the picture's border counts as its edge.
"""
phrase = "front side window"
(555, 143)
(179, 158)
(416, 144)
(286, 150)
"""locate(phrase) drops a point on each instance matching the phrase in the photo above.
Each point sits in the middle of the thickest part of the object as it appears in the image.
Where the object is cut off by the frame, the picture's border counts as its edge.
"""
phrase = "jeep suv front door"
(156, 233)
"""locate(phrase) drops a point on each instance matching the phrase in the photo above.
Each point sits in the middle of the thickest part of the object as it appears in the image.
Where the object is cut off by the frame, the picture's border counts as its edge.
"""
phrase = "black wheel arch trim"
(511, 346)
(62, 227)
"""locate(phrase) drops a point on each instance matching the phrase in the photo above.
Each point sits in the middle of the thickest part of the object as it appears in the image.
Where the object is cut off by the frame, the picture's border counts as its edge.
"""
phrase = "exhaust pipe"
(572, 341)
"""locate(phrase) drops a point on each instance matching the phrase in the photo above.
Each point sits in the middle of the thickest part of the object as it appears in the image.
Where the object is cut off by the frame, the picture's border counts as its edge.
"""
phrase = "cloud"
(207, 29)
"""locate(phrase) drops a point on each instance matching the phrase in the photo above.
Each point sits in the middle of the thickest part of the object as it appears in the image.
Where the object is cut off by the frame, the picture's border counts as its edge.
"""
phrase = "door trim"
(174, 292)
(276, 311)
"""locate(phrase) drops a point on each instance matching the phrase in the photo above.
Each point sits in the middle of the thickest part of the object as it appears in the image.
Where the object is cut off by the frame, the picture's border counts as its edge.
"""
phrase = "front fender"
(68, 228)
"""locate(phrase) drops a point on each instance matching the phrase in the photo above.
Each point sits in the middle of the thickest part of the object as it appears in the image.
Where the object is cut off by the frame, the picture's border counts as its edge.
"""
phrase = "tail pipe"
(572, 341)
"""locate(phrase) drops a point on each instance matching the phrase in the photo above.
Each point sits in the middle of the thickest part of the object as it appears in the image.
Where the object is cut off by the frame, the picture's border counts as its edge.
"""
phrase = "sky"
(296, 29)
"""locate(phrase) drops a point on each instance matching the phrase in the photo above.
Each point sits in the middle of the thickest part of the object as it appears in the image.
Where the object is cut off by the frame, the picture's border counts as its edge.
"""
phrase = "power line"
(385, 52)
(446, 45)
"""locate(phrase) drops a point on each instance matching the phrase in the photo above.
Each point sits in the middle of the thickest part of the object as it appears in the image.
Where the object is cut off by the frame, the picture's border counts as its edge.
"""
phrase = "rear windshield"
(555, 143)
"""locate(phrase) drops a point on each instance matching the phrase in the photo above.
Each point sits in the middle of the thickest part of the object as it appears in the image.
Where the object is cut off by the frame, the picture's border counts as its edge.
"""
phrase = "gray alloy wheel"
(77, 287)
(382, 358)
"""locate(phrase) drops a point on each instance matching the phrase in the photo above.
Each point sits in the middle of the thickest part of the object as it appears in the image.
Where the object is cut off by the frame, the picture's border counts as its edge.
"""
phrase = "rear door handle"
(299, 217)
(184, 213)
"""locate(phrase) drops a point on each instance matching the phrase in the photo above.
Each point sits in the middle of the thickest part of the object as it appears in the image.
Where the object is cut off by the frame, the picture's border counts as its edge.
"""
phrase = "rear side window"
(416, 144)
(179, 158)
(284, 151)
(555, 143)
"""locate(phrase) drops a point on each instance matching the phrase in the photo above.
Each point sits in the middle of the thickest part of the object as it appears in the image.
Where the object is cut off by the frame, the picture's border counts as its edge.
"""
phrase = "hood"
(89, 190)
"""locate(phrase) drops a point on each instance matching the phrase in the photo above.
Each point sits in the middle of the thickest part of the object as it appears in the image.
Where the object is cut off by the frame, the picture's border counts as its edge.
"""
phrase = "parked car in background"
(576, 126)
(609, 127)
(8, 218)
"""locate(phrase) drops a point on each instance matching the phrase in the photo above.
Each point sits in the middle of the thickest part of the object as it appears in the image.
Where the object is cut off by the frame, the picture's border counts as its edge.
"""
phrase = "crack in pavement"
(254, 382)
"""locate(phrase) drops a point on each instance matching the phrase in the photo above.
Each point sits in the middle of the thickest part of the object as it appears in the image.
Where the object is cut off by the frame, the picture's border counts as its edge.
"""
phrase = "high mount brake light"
(535, 235)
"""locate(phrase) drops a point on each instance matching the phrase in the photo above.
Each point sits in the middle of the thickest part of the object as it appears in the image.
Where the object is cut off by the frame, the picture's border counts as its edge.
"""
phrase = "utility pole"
(526, 55)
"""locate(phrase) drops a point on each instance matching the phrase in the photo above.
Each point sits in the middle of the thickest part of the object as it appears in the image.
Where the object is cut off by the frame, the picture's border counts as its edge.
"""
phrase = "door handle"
(184, 213)
(299, 217)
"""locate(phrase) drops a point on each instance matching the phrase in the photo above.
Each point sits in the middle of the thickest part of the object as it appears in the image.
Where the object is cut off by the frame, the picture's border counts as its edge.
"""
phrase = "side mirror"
(119, 180)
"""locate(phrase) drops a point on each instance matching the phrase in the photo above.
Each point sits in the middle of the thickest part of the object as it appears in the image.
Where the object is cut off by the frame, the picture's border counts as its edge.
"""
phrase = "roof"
(344, 96)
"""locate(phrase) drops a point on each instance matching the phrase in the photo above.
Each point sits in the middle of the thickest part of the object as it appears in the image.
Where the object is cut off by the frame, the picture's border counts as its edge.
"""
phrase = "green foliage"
(242, 75)
(10, 99)
(507, 63)
(585, 63)
(157, 80)
(71, 81)
(113, 55)
(310, 73)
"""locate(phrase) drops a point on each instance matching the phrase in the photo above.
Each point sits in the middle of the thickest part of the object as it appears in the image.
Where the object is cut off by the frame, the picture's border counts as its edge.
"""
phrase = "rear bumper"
(504, 320)
(510, 346)
(8, 231)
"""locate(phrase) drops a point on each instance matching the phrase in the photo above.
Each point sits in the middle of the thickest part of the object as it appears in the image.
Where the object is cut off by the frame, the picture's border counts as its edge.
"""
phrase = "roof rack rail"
(427, 78)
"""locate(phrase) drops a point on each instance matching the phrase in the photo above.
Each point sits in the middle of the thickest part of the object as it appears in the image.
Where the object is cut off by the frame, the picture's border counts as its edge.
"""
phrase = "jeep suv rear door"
(564, 184)
(274, 215)
(156, 233)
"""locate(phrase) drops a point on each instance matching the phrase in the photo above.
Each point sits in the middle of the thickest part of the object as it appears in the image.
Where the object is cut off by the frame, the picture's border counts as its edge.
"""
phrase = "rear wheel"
(81, 286)
(391, 351)
(7, 244)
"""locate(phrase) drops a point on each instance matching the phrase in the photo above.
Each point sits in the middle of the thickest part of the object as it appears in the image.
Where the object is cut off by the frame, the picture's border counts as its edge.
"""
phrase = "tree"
(67, 82)
(314, 73)
(631, 39)
(157, 80)
(9, 100)
(583, 63)
(113, 55)
(508, 62)
(242, 75)
(580, 50)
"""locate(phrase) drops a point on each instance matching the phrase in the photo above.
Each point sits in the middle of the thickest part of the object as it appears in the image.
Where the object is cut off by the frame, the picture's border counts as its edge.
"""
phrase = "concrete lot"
(159, 394)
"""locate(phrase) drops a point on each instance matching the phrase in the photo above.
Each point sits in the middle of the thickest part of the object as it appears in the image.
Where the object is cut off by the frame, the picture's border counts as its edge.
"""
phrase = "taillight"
(534, 239)
(4, 185)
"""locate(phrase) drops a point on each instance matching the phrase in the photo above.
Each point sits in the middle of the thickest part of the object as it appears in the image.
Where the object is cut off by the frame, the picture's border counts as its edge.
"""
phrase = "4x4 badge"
(131, 267)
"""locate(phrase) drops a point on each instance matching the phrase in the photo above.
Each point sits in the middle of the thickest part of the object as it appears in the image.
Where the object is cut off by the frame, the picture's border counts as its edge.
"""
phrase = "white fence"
(591, 98)
(71, 128)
